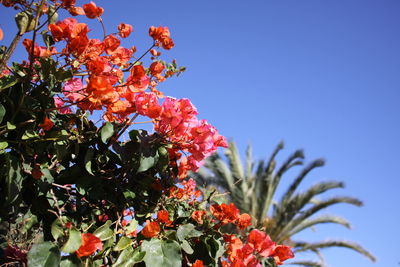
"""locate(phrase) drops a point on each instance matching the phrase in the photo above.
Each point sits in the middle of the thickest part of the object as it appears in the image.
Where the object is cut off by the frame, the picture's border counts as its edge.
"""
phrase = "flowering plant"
(73, 193)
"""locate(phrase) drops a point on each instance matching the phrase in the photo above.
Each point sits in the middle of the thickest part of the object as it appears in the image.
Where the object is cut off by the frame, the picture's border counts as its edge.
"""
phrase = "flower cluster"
(259, 245)
(230, 214)
(179, 124)
(128, 209)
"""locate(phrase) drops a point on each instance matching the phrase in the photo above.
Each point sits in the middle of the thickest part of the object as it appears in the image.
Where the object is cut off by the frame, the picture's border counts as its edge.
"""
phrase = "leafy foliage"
(76, 192)
(252, 187)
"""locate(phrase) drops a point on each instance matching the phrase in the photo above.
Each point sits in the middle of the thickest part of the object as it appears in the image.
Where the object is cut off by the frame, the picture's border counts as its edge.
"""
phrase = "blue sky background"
(320, 75)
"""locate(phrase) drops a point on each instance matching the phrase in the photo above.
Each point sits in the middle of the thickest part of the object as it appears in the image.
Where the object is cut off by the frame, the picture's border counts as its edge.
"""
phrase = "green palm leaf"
(252, 187)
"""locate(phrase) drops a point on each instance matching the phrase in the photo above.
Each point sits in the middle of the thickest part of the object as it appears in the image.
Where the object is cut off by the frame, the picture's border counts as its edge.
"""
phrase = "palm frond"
(252, 187)
(305, 246)
(289, 208)
(266, 179)
(292, 188)
(234, 162)
(317, 207)
(221, 171)
(306, 224)
(307, 263)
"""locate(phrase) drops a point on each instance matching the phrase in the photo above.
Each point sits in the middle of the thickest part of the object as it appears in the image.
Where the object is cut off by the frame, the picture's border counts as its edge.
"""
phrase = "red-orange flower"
(76, 10)
(225, 213)
(36, 172)
(156, 68)
(198, 263)
(163, 217)
(282, 253)
(198, 216)
(244, 221)
(111, 43)
(124, 30)
(1, 34)
(261, 242)
(47, 124)
(68, 3)
(151, 229)
(90, 243)
(92, 10)
(161, 35)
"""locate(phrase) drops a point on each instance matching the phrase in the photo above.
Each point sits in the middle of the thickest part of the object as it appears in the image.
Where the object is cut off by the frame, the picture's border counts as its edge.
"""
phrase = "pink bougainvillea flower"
(72, 89)
(59, 103)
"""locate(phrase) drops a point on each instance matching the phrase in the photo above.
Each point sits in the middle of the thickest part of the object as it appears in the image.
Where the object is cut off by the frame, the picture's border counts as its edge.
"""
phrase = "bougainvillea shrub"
(73, 192)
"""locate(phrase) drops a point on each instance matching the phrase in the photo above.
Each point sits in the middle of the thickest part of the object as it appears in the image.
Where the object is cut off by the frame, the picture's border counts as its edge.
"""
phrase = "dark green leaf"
(6, 82)
(123, 243)
(57, 229)
(129, 257)
(186, 247)
(70, 261)
(52, 15)
(186, 231)
(44, 255)
(106, 132)
(147, 162)
(2, 112)
(74, 241)
(24, 20)
(13, 179)
(88, 160)
(160, 253)
(104, 232)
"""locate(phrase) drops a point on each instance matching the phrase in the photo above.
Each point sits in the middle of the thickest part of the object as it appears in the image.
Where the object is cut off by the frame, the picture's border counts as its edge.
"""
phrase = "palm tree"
(252, 189)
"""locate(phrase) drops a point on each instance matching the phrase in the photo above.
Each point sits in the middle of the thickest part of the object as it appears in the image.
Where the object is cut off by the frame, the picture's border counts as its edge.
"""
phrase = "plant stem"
(9, 52)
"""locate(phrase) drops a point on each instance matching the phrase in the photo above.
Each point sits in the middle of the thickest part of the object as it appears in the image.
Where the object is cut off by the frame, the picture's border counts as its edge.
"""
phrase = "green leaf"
(6, 82)
(129, 257)
(104, 232)
(74, 241)
(132, 225)
(88, 160)
(123, 243)
(3, 145)
(147, 162)
(70, 261)
(48, 40)
(29, 134)
(52, 15)
(129, 195)
(10, 126)
(106, 132)
(44, 255)
(2, 112)
(57, 229)
(24, 20)
(186, 231)
(162, 253)
(186, 247)
(13, 179)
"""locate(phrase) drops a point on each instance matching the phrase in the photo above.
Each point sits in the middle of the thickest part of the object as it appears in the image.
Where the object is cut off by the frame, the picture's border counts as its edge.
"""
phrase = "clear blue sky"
(320, 75)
